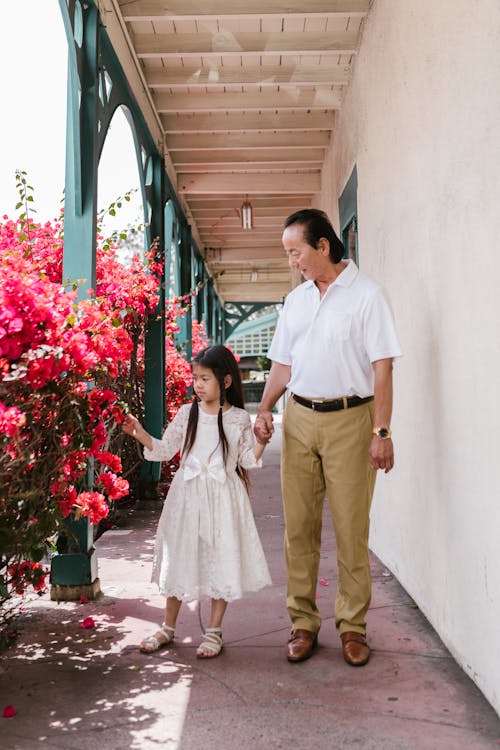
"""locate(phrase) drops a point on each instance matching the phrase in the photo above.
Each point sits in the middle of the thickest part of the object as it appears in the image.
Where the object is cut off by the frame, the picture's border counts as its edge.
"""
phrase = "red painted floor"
(83, 689)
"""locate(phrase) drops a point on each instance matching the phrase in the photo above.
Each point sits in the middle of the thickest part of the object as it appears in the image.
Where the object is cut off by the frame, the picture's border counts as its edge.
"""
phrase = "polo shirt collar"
(348, 275)
(345, 279)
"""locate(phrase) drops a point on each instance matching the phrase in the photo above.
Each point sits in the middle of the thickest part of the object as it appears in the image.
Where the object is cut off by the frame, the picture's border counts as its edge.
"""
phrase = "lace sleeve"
(246, 457)
(172, 440)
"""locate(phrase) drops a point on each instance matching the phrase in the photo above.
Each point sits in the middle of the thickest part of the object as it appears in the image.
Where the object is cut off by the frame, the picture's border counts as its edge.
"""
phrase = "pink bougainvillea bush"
(68, 371)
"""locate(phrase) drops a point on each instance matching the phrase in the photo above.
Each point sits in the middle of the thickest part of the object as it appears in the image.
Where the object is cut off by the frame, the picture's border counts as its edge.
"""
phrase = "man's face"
(300, 255)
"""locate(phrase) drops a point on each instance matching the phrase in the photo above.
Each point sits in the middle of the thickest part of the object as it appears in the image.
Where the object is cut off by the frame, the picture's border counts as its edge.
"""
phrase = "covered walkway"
(86, 688)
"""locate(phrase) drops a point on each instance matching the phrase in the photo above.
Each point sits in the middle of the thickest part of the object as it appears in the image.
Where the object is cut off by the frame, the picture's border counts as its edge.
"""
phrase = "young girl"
(206, 543)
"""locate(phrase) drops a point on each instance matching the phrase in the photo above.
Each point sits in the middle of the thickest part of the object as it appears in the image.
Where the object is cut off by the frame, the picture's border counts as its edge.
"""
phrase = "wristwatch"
(383, 432)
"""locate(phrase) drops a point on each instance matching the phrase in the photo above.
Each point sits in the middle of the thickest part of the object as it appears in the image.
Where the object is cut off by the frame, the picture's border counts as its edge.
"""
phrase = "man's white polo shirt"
(331, 343)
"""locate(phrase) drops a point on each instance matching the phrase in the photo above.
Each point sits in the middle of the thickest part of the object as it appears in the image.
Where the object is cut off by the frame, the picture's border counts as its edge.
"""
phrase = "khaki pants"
(327, 451)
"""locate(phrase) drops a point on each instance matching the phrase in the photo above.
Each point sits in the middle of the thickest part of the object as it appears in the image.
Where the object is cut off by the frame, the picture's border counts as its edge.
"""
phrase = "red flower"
(88, 623)
(93, 505)
(8, 712)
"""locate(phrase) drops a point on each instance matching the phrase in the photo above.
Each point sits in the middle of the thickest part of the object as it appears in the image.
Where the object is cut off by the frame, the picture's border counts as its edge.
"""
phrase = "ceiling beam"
(217, 123)
(263, 76)
(216, 214)
(249, 183)
(243, 141)
(216, 256)
(243, 156)
(322, 98)
(258, 166)
(226, 222)
(228, 201)
(338, 42)
(161, 10)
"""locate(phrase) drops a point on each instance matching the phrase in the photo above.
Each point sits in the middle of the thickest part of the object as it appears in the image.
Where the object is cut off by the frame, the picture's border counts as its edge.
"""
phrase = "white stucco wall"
(421, 120)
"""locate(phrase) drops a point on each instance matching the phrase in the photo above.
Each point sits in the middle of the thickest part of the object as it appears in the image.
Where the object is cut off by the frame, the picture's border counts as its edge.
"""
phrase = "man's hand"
(381, 453)
(263, 428)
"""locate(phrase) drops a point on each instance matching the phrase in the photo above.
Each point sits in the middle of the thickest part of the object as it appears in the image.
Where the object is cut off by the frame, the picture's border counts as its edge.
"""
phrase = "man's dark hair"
(317, 225)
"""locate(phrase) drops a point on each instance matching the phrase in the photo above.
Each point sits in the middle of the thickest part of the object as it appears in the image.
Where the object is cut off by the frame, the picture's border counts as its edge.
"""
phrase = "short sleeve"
(280, 349)
(246, 456)
(379, 330)
(172, 440)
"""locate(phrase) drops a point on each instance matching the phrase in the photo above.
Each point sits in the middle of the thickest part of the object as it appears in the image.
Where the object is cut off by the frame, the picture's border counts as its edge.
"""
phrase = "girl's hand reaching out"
(131, 426)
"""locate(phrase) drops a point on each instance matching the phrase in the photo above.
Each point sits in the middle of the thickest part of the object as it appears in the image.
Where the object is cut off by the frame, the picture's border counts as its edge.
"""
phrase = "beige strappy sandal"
(163, 637)
(212, 642)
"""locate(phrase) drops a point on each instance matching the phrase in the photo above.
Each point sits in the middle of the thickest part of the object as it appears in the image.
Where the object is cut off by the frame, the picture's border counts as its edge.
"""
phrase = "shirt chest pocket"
(338, 326)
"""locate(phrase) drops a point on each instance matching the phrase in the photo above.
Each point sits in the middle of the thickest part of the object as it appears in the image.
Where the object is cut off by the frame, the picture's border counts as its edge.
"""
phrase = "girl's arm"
(258, 450)
(131, 426)
(249, 452)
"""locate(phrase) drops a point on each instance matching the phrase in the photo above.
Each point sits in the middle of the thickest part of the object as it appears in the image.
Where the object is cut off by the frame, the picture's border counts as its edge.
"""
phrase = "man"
(333, 349)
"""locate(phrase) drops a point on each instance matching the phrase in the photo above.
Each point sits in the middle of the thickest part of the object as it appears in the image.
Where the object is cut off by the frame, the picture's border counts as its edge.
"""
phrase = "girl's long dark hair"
(221, 362)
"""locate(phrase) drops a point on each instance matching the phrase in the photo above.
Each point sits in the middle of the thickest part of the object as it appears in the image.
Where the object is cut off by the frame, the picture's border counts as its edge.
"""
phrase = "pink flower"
(9, 712)
(113, 486)
(323, 582)
(87, 623)
(93, 505)
(110, 460)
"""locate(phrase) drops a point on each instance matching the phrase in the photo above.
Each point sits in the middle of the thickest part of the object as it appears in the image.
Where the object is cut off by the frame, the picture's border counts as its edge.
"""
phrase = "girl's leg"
(217, 613)
(172, 610)
(165, 634)
(212, 638)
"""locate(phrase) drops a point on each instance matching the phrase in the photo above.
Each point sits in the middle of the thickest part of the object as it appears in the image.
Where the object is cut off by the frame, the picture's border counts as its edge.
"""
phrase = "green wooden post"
(154, 358)
(205, 308)
(74, 570)
(185, 335)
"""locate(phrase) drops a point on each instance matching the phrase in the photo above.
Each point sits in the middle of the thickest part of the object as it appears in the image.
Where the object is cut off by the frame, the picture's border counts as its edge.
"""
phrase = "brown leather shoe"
(301, 645)
(355, 649)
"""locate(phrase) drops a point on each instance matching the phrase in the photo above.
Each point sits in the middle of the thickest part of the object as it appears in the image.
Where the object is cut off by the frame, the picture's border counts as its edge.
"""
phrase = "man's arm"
(382, 449)
(275, 387)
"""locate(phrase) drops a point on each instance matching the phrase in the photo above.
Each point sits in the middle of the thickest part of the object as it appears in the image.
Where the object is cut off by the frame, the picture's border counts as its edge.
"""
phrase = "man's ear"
(228, 380)
(324, 246)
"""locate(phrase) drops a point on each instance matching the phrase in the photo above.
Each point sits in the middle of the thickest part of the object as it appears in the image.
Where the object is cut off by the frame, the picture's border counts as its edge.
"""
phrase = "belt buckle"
(315, 401)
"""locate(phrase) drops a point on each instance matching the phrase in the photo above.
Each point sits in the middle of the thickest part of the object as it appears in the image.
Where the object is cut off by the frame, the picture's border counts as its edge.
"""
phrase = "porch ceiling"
(240, 96)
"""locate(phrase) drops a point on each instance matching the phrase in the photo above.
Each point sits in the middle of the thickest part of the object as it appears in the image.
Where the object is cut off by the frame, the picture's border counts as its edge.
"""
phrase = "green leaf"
(37, 554)
(19, 205)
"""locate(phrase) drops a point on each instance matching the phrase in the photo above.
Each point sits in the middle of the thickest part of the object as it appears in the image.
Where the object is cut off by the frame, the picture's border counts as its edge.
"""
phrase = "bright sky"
(33, 66)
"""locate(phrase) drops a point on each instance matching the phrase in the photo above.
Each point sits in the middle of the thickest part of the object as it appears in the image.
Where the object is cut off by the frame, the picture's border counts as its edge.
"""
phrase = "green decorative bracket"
(236, 312)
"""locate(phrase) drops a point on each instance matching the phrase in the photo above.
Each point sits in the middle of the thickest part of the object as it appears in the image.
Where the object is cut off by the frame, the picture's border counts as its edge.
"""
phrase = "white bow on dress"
(193, 468)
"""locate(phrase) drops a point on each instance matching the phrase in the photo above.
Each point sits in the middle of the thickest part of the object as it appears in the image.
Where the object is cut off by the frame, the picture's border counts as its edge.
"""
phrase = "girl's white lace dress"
(207, 543)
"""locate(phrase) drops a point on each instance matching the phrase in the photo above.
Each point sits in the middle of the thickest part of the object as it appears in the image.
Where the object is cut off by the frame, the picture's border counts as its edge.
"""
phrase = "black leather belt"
(336, 405)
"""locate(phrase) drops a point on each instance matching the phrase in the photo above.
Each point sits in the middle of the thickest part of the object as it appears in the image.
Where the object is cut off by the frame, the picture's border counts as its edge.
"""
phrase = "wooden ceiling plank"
(249, 183)
(232, 255)
(259, 166)
(206, 142)
(263, 200)
(244, 156)
(266, 214)
(183, 125)
(282, 75)
(195, 9)
(321, 99)
(165, 45)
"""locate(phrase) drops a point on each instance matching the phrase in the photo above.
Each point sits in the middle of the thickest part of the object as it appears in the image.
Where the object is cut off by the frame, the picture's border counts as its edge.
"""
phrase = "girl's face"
(206, 385)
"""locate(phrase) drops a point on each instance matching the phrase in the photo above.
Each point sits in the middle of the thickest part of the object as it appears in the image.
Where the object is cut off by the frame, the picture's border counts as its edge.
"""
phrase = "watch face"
(383, 432)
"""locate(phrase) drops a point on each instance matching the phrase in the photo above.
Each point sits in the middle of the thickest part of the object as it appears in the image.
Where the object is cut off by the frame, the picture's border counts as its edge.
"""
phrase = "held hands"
(263, 428)
(381, 453)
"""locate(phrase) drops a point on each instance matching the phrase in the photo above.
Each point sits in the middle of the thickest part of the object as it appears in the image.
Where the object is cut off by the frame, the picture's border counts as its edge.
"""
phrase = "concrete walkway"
(80, 689)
